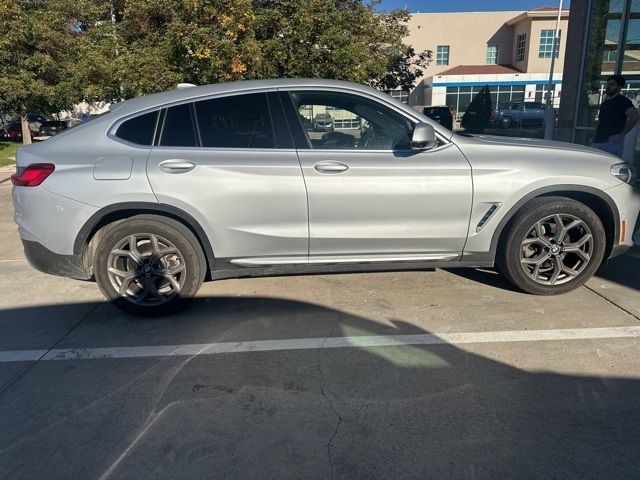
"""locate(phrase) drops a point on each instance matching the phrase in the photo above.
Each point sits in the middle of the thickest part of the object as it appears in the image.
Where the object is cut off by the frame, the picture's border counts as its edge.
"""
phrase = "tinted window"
(356, 122)
(240, 121)
(178, 130)
(138, 129)
(534, 106)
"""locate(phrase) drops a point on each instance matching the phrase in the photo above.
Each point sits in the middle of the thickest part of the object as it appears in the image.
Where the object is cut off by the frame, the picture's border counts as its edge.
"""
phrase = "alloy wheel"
(146, 269)
(556, 249)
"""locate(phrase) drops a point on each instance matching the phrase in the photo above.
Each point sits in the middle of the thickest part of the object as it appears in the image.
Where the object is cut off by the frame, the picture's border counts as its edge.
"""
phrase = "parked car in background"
(224, 181)
(53, 127)
(323, 122)
(520, 114)
(13, 132)
(439, 113)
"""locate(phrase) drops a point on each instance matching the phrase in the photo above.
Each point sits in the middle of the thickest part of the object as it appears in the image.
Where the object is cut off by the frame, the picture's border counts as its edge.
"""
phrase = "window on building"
(521, 47)
(401, 95)
(546, 43)
(442, 55)
(492, 54)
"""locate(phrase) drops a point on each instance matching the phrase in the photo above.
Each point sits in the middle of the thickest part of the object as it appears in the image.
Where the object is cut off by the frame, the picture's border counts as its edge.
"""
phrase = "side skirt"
(311, 269)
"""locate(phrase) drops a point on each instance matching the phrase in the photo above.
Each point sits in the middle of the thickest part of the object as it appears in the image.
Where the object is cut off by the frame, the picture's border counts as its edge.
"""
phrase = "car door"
(232, 165)
(371, 198)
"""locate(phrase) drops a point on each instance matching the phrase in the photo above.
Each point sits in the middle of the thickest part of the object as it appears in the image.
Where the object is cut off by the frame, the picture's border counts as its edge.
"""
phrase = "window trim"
(112, 131)
(448, 47)
(442, 140)
(487, 55)
(162, 107)
(541, 53)
(520, 57)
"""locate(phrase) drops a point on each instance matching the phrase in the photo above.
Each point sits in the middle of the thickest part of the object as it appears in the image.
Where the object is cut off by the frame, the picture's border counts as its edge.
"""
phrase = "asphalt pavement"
(413, 375)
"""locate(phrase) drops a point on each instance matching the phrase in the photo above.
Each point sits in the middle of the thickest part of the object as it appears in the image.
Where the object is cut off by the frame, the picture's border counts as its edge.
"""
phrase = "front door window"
(349, 122)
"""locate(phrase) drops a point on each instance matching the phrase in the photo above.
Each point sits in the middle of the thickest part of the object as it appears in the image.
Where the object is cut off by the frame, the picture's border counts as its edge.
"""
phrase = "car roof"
(191, 93)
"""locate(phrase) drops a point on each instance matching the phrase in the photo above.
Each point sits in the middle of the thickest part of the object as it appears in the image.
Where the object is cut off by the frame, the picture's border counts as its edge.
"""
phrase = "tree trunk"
(26, 131)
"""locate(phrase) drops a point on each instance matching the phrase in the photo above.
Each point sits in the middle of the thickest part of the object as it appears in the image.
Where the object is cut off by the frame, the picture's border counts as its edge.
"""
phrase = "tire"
(149, 265)
(540, 258)
(505, 123)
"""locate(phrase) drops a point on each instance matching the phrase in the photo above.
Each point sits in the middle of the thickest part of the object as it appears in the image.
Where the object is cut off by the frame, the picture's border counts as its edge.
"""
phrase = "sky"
(426, 6)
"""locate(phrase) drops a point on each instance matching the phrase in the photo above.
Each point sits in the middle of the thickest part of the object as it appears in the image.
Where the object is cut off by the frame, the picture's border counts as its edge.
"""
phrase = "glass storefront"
(460, 97)
(613, 47)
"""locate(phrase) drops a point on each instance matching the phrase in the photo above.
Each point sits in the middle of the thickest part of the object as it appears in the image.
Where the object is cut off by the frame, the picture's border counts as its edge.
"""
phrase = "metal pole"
(549, 115)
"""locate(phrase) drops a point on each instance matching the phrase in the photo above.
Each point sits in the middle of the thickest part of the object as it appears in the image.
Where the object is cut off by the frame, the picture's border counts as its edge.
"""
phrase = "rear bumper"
(47, 261)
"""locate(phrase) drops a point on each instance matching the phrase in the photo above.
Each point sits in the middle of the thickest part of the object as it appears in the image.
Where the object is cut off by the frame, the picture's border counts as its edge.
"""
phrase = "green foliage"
(55, 53)
(154, 44)
(478, 114)
(38, 47)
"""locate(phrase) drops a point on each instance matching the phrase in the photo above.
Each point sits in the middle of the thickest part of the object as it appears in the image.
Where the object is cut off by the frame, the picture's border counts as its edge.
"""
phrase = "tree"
(478, 114)
(154, 44)
(38, 45)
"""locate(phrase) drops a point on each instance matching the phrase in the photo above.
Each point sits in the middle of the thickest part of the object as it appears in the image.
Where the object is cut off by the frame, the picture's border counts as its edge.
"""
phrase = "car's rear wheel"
(554, 245)
(148, 264)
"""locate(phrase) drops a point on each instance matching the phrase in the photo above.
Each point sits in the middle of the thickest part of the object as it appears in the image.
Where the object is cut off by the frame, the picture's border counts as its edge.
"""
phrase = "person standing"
(617, 117)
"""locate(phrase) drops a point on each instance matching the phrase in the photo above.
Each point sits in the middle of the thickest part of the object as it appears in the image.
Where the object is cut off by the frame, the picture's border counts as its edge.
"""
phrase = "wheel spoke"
(174, 270)
(126, 282)
(562, 232)
(570, 271)
(174, 283)
(540, 234)
(557, 270)
(133, 249)
(126, 253)
(572, 247)
(119, 273)
(142, 295)
(538, 260)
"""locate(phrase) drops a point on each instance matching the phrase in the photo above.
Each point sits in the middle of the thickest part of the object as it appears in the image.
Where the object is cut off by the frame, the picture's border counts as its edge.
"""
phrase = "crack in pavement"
(605, 298)
(331, 407)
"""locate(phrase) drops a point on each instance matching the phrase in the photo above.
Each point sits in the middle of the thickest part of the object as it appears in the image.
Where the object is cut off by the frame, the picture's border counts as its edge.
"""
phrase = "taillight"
(33, 175)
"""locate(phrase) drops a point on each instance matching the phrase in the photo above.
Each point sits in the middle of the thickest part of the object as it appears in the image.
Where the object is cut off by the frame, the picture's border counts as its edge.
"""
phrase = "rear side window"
(178, 129)
(139, 129)
(241, 121)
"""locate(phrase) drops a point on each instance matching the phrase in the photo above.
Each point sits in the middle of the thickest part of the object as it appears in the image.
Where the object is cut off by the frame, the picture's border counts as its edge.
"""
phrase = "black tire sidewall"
(509, 259)
(173, 231)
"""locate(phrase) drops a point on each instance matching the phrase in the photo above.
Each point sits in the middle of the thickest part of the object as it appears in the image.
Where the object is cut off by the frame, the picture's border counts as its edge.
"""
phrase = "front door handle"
(330, 167)
(176, 166)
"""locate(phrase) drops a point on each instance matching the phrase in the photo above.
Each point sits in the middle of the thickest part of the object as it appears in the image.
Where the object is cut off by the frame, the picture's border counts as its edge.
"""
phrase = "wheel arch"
(87, 236)
(601, 203)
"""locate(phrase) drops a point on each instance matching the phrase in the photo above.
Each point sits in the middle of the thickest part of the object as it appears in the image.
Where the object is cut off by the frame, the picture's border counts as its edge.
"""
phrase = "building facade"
(605, 38)
(508, 51)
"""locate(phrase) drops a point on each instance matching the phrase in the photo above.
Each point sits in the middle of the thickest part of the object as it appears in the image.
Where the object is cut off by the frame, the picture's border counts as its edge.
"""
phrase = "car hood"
(529, 143)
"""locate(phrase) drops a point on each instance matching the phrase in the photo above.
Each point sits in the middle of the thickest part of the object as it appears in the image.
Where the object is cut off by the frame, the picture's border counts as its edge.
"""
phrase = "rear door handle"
(176, 166)
(331, 167)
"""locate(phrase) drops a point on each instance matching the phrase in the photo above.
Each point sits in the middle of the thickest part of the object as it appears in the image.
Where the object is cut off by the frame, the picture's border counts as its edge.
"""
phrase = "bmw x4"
(222, 181)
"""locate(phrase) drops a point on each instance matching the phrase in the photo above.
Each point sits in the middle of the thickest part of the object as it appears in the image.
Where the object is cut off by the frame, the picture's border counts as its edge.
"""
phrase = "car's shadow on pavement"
(408, 411)
(624, 270)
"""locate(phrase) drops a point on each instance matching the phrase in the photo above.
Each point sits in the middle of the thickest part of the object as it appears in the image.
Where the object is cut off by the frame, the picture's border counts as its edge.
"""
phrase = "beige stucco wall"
(467, 35)
(536, 64)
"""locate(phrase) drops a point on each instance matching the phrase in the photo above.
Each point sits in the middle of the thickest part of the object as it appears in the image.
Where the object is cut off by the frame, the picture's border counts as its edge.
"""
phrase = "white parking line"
(315, 343)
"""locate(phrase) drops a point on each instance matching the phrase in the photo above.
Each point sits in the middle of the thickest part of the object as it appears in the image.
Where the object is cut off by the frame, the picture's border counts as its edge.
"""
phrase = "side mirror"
(424, 137)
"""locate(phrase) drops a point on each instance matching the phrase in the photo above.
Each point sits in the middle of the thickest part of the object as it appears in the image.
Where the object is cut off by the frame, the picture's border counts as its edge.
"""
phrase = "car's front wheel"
(148, 264)
(554, 245)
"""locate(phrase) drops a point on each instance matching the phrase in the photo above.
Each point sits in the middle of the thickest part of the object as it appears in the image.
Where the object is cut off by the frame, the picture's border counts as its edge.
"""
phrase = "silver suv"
(225, 181)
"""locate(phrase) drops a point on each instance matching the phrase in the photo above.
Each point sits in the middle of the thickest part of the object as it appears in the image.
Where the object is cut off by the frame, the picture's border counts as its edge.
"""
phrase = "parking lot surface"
(413, 375)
